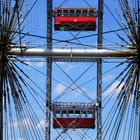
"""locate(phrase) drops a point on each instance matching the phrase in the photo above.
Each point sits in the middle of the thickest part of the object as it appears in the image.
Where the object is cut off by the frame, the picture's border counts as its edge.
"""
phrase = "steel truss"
(99, 71)
(77, 55)
(49, 71)
(67, 55)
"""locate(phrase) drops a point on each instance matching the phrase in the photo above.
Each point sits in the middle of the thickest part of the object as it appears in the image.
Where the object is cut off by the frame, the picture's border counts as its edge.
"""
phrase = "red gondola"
(74, 115)
(75, 19)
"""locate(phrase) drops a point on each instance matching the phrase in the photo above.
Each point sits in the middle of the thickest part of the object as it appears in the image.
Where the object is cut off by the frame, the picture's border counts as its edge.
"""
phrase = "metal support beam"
(139, 69)
(79, 53)
(139, 20)
(99, 71)
(138, 100)
(1, 99)
(49, 71)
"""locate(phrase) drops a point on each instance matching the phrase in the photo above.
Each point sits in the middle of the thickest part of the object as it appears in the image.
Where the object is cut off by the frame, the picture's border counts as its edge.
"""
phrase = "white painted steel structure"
(74, 53)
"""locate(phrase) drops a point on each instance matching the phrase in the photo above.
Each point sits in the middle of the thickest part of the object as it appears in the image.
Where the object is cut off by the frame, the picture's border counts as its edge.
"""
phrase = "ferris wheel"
(69, 70)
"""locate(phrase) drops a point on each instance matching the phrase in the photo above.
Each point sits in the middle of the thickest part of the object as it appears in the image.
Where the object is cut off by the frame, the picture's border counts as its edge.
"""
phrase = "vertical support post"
(139, 19)
(139, 70)
(99, 71)
(1, 103)
(1, 93)
(138, 106)
(49, 71)
(1, 81)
